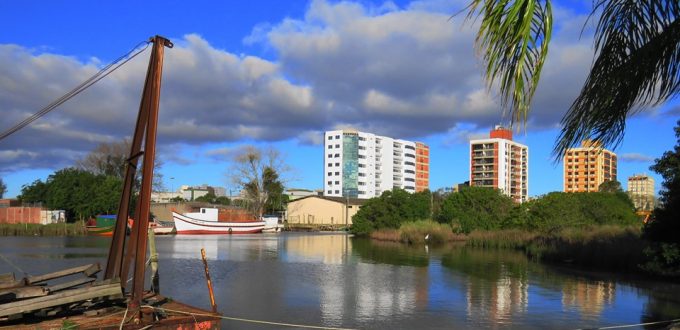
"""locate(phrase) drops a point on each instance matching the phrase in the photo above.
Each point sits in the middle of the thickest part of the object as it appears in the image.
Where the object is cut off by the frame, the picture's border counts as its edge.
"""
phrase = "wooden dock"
(84, 303)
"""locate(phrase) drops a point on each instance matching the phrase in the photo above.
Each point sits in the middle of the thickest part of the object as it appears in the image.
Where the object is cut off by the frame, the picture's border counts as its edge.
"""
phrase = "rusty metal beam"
(141, 224)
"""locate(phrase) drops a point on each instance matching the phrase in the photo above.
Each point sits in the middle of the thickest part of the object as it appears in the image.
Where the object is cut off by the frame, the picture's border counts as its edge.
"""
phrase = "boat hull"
(190, 226)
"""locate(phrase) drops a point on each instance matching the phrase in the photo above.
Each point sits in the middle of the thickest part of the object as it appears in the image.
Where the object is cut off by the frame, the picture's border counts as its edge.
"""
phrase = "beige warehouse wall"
(319, 211)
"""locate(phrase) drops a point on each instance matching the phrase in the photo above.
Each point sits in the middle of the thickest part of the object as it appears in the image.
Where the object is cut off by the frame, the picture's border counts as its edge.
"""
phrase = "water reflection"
(336, 281)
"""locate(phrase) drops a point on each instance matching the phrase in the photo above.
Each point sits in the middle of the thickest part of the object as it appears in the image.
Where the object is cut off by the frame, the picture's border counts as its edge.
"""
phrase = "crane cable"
(105, 71)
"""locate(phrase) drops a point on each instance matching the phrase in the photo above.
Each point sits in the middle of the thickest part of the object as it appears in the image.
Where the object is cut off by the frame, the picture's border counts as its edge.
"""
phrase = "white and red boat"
(206, 222)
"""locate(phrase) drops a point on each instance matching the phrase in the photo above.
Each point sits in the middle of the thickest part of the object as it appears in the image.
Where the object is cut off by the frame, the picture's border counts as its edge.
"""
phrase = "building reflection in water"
(329, 249)
(590, 298)
(497, 300)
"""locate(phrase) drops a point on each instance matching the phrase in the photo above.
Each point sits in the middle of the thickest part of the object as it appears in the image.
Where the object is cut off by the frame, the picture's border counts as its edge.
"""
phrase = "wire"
(633, 325)
(246, 320)
(83, 86)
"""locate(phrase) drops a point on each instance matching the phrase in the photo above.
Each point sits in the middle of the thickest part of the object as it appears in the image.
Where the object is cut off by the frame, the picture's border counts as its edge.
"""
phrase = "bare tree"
(258, 173)
(111, 158)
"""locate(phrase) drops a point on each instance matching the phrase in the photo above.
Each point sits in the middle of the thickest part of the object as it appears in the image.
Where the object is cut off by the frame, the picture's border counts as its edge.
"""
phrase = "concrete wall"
(319, 211)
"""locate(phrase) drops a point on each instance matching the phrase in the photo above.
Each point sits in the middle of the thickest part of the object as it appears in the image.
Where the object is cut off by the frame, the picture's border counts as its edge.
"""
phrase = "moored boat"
(103, 225)
(206, 222)
(162, 227)
(272, 224)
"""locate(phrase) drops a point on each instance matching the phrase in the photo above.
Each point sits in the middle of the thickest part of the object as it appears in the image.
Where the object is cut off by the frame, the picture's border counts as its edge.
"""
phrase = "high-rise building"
(585, 168)
(500, 163)
(422, 167)
(641, 192)
(364, 165)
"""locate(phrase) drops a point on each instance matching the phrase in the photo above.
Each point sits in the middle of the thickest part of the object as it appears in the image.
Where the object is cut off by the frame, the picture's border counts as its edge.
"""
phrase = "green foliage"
(513, 38)
(80, 193)
(665, 226)
(610, 186)
(3, 188)
(390, 210)
(212, 199)
(423, 231)
(475, 208)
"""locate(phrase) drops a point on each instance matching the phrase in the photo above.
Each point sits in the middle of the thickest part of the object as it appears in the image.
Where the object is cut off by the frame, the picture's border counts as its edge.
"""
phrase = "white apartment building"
(364, 165)
(500, 163)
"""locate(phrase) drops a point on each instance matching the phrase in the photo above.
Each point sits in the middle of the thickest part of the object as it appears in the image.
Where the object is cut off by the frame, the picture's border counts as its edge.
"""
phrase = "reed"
(418, 232)
(604, 247)
(56, 229)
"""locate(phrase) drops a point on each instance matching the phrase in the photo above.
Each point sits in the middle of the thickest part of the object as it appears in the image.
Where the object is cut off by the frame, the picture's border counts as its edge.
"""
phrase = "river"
(333, 280)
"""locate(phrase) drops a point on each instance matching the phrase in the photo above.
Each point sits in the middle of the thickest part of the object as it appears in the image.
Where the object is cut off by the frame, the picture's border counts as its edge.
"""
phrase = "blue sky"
(279, 73)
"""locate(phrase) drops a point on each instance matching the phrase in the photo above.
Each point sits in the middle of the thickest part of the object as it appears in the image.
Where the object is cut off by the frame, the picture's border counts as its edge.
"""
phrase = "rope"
(12, 264)
(83, 86)
(631, 325)
(247, 320)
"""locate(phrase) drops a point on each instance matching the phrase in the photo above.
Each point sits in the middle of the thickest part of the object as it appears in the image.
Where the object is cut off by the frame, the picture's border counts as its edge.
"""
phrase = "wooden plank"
(70, 284)
(8, 295)
(15, 284)
(61, 273)
(8, 277)
(62, 298)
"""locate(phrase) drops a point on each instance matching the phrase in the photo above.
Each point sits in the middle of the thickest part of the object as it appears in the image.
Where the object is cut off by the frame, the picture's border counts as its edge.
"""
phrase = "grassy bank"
(604, 247)
(57, 229)
(418, 232)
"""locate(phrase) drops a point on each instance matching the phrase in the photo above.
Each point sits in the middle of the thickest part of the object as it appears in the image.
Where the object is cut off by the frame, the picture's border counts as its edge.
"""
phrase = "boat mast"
(119, 262)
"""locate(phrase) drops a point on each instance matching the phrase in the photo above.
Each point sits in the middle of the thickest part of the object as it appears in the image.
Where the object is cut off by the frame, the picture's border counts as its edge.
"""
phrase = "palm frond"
(513, 40)
(637, 43)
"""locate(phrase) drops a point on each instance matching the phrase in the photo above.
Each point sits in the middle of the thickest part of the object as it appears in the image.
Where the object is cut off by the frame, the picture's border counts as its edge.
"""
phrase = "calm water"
(336, 281)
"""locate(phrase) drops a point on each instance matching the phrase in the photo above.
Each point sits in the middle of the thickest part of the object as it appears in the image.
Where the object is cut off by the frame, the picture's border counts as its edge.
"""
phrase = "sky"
(278, 74)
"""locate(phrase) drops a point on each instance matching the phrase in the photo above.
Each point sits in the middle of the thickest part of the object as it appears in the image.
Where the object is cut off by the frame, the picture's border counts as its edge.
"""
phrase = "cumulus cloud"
(635, 158)
(405, 72)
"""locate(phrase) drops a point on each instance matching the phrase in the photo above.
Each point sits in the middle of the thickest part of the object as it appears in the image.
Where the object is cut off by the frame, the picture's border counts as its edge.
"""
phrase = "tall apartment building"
(422, 167)
(500, 163)
(641, 192)
(364, 165)
(585, 168)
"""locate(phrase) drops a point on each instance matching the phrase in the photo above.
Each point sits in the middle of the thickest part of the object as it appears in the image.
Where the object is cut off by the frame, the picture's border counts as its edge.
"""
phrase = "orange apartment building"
(500, 163)
(422, 167)
(585, 168)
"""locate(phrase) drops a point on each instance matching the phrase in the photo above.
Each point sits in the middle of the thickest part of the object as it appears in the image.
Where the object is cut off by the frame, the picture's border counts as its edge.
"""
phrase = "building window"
(337, 164)
(330, 155)
(337, 191)
(337, 182)
(337, 137)
(329, 192)
(337, 155)
(330, 183)
(330, 164)
(330, 173)
(330, 146)
(330, 138)
(337, 173)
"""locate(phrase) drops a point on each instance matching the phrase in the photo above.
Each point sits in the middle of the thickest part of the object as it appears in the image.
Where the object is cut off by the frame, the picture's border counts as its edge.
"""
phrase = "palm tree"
(637, 61)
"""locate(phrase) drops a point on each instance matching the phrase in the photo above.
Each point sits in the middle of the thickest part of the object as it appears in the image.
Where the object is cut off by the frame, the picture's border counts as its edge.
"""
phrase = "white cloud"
(635, 158)
(404, 72)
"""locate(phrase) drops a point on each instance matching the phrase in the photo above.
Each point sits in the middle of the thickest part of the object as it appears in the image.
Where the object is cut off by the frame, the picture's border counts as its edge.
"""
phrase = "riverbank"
(55, 229)
(607, 247)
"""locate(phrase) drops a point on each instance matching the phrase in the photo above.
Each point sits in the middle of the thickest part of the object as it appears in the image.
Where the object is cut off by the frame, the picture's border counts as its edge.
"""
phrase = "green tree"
(665, 226)
(475, 208)
(80, 193)
(390, 210)
(610, 186)
(637, 56)
(3, 188)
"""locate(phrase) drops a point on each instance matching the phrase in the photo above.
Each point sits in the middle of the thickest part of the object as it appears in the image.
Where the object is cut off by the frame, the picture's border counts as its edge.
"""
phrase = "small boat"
(272, 224)
(162, 227)
(103, 225)
(206, 222)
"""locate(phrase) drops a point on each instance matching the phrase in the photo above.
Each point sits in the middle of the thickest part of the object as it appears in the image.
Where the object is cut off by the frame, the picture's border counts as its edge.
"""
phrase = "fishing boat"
(206, 222)
(162, 227)
(272, 224)
(103, 225)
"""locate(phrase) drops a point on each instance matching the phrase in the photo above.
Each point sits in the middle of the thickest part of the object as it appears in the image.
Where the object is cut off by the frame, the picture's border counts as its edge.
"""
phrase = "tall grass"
(56, 229)
(418, 232)
(605, 247)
